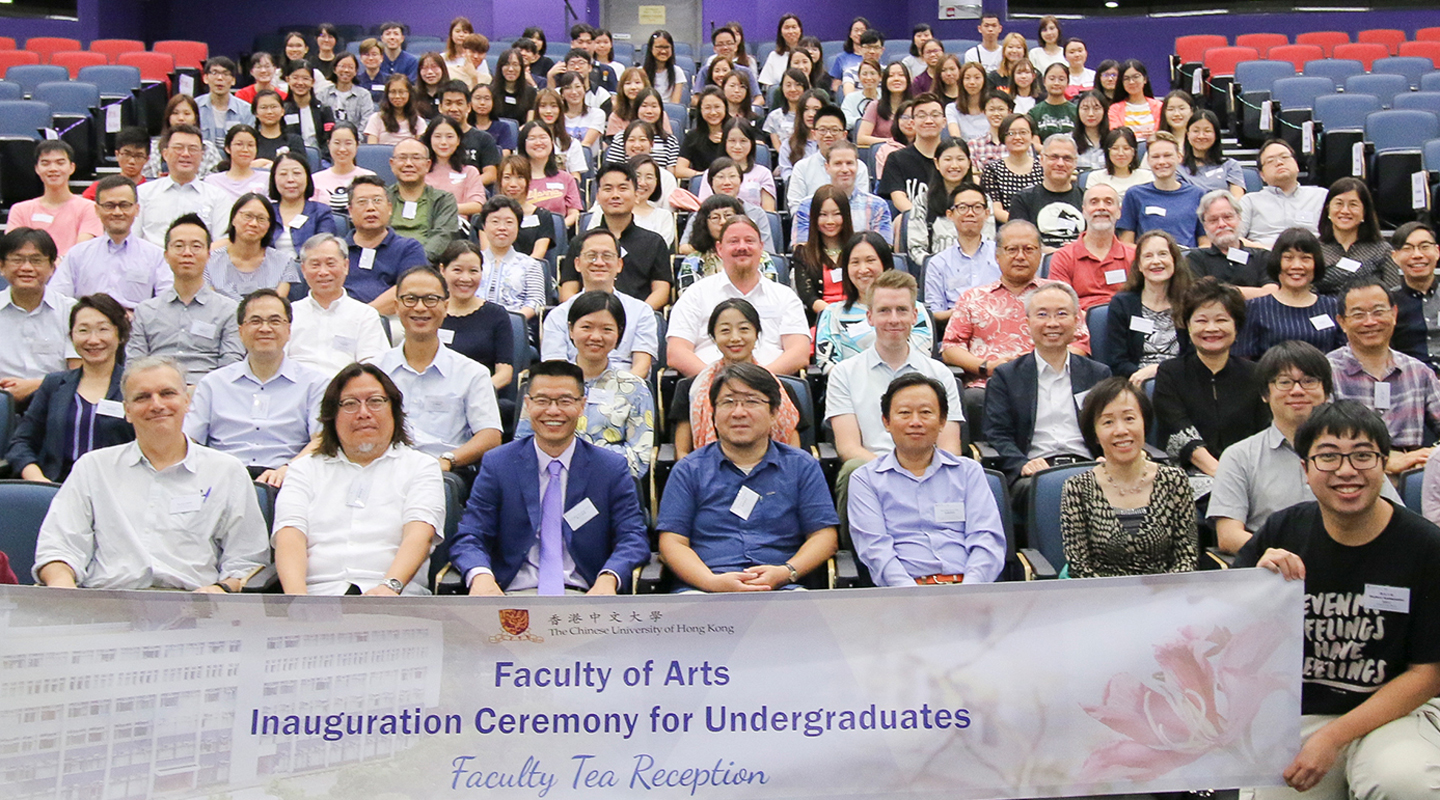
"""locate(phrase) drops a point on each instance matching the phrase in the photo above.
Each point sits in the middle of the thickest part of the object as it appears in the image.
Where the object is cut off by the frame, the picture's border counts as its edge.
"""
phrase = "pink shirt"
(990, 322)
(467, 186)
(327, 181)
(376, 127)
(556, 193)
(64, 224)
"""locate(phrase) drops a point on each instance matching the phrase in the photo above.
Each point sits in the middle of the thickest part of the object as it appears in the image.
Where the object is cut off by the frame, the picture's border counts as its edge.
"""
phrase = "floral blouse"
(840, 334)
(697, 266)
(702, 414)
(619, 416)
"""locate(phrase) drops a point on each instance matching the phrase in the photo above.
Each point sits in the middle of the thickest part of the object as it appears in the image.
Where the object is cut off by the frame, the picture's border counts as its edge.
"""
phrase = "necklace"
(1127, 491)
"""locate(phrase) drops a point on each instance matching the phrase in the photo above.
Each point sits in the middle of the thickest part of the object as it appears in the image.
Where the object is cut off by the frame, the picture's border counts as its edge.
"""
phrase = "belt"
(934, 580)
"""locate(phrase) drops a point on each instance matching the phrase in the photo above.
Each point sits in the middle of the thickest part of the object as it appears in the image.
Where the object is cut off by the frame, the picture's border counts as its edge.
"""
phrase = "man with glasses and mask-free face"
(1054, 204)
(1372, 618)
(34, 316)
(646, 273)
(1227, 259)
(120, 263)
(331, 328)
(132, 150)
(1404, 391)
(810, 173)
(1283, 203)
(377, 253)
(419, 211)
(970, 262)
(599, 264)
(1417, 304)
(164, 200)
(551, 513)
(220, 110)
(909, 172)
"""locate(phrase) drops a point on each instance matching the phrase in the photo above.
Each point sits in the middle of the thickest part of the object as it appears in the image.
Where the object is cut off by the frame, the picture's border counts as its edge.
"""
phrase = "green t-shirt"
(1051, 119)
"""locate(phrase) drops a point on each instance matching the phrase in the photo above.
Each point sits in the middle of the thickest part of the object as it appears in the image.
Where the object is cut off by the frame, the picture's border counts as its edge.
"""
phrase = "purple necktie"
(552, 539)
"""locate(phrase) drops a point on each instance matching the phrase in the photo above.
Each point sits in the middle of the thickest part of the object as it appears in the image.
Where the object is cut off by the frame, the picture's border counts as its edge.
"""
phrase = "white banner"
(1013, 690)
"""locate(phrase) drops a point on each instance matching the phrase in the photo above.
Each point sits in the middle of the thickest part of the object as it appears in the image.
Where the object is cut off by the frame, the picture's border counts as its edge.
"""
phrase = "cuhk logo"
(514, 624)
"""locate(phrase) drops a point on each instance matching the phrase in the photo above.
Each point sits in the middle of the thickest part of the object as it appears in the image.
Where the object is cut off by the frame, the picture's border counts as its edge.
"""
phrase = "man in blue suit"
(551, 513)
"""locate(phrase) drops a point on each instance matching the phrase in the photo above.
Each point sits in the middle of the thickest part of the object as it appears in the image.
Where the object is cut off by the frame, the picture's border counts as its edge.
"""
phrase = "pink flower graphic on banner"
(1203, 698)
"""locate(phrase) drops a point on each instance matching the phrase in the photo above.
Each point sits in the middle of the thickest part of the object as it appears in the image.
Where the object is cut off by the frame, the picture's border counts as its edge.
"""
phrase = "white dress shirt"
(857, 384)
(330, 339)
(36, 343)
(448, 403)
(809, 174)
(162, 201)
(781, 314)
(1057, 420)
(352, 516)
(641, 333)
(119, 524)
(131, 272)
(262, 423)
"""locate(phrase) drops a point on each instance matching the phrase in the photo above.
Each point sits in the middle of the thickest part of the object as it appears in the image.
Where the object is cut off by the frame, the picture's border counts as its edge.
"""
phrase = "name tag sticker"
(1382, 395)
(836, 275)
(580, 513)
(260, 406)
(1141, 325)
(292, 119)
(1387, 598)
(745, 501)
(186, 503)
(203, 329)
(599, 397)
(409, 210)
(530, 221)
(1322, 322)
(949, 512)
(345, 344)
(457, 177)
(367, 258)
(447, 336)
(1238, 255)
(1348, 264)
(1155, 211)
(41, 217)
(298, 220)
(377, 87)
(1114, 276)
(111, 408)
(858, 330)
(441, 404)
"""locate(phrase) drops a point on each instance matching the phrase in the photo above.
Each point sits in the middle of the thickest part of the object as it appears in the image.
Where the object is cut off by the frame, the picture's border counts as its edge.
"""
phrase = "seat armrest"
(1037, 567)
(1156, 454)
(847, 574)
(1221, 559)
(261, 580)
(449, 581)
(648, 580)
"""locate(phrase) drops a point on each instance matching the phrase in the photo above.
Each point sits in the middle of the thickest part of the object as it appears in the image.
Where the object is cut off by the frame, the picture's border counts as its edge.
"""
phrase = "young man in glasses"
(1372, 617)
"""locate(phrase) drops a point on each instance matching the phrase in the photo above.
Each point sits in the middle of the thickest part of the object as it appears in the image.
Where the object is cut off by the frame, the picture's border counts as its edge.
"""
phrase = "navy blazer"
(1127, 346)
(318, 219)
(40, 436)
(1011, 398)
(502, 518)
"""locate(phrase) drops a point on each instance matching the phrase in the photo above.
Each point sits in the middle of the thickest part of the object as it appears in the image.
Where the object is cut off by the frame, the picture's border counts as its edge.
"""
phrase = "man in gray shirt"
(189, 322)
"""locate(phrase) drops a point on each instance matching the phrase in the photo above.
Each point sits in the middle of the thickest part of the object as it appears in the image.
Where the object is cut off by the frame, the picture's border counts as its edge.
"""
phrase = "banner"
(1013, 690)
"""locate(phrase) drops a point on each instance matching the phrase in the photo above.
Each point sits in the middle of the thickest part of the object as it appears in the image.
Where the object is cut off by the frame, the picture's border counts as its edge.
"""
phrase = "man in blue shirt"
(1164, 204)
(919, 515)
(392, 36)
(377, 253)
(744, 513)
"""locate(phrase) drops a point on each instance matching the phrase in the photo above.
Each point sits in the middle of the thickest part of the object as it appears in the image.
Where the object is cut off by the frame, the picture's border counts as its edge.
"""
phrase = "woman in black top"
(327, 50)
(273, 139)
(1350, 239)
(1207, 399)
(514, 96)
(705, 142)
(537, 226)
(480, 331)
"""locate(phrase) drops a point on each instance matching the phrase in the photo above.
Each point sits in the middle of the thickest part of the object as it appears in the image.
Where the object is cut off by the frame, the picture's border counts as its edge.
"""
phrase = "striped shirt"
(1269, 322)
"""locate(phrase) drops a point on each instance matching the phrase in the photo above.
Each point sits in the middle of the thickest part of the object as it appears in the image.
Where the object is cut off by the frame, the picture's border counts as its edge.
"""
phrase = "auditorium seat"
(16, 58)
(28, 76)
(187, 54)
(1427, 49)
(23, 118)
(1367, 53)
(1427, 35)
(1424, 101)
(1398, 138)
(7, 43)
(10, 91)
(1411, 67)
(43, 46)
(1388, 37)
(112, 48)
(1262, 42)
(154, 67)
(1327, 40)
(1384, 87)
(25, 504)
(1296, 54)
(68, 98)
(1336, 69)
(1042, 518)
(76, 60)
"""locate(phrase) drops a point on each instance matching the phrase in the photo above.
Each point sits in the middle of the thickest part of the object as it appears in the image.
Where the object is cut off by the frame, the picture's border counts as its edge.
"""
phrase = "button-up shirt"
(641, 333)
(372, 276)
(330, 339)
(945, 522)
(131, 272)
(36, 342)
(201, 334)
(867, 213)
(856, 385)
(1057, 418)
(781, 314)
(529, 575)
(262, 423)
(1414, 393)
(434, 224)
(1417, 322)
(120, 524)
(1265, 214)
(215, 126)
(809, 174)
(952, 271)
(990, 322)
(405, 63)
(793, 502)
(1095, 280)
(162, 201)
(451, 401)
(353, 516)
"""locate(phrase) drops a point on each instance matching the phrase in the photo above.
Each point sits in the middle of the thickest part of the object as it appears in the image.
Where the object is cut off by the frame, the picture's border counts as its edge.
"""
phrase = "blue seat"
(1431, 157)
(7, 422)
(1430, 82)
(68, 98)
(1406, 129)
(777, 231)
(1259, 76)
(1021, 564)
(1253, 181)
(1300, 93)
(1423, 101)
(1399, 139)
(895, 50)
(10, 90)
(28, 76)
(424, 44)
(762, 156)
(113, 80)
(1384, 87)
(685, 49)
(679, 115)
(25, 504)
(623, 52)
(1345, 112)
(1411, 485)
(959, 46)
(684, 61)
(1042, 518)
(23, 118)
(376, 158)
(265, 495)
(312, 157)
(1096, 320)
(1336, 69)
(1412, 68)
(455, 498)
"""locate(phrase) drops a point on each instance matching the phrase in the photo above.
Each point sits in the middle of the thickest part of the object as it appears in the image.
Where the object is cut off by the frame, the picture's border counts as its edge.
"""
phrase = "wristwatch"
(394, 585)
(984, 369)
(450, 457)
(794, 575)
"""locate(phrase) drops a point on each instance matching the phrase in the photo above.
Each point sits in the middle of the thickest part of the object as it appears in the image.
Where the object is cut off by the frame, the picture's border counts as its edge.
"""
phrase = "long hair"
(465, 25)
(964, 101)
(652, 67)
(1082, 142)
(409, 112)
(552, 164)
(455, 163)
(557, 129)
(938, 197)
(1216, 154)
(1179, 282)
(1369, 230)
(800, 136)
(330, 406)
(524, 92)
(882, 249)
(812, 251)
(883, 109)
(624, 109)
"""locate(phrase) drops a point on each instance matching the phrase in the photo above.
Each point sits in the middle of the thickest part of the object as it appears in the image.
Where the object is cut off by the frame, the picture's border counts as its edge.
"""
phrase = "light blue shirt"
(262, 423)
(641, 334)
(237, 112)
(950, 272)
(945, 522)
(448, 403)
(131, 272)
(867, 213)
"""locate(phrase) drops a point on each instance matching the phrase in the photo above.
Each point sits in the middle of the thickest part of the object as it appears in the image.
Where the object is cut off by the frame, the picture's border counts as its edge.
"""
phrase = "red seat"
(1297, 54)
(1191, 49)
(45, 45)
(112, 48)
(1427, 35)
(1425, 49)
(76, 60)
(1387, 36)
(187, 54)
(154, 67)
(1367, 53)
(1326, 39)
(1221, 61)
(14, 58)
(1262, 42)
(6, 43)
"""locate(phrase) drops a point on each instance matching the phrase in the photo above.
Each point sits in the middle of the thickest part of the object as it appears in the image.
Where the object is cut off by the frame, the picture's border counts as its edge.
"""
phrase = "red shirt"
(990, 322)
(89, 193)
(1073, 264)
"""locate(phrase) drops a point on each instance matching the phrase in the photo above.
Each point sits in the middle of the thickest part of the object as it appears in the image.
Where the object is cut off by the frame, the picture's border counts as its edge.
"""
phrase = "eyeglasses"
(1134, 78)
(272, 322)
(410, 300)
(368, 202)
(126, 205)
(830, 129)
(351, 405)
(964, 208)
(1362, 314)
(1308, 383)
(187, 149)
(410, 158)
(936, 115)
(250, 216)
(132, 155)
(1017, 249)
(1360, 460)
(565, 401)
(1424, 247)
(597, 257)
(37, 260)
(747, 403)
(1279, 158)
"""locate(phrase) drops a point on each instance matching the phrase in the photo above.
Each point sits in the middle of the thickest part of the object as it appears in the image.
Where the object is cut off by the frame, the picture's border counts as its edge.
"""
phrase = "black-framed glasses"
(411, 300)
(376, 403)
(1361, 460)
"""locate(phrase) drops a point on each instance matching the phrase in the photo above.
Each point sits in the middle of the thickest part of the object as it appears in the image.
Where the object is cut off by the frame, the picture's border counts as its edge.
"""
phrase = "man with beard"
(1227, 259)
(1097, 263)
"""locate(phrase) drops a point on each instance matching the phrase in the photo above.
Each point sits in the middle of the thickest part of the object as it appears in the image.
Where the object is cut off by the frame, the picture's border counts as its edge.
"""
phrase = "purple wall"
(83, 29)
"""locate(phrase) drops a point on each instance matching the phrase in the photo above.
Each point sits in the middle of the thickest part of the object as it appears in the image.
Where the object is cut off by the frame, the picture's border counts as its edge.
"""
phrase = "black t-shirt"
(1056, 214)
(271, 149)
(534, 227)
(644, 253)
(698, 148)
(1350, 649)
(1211, 261)
(909, 171)
(484, 335)
(478, 149)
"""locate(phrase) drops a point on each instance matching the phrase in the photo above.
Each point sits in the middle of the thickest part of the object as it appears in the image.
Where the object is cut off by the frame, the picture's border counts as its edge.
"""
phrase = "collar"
(1115, 253)
(134, 457)
(393, 451)
(771, 457)
(47, 298)
(872, 358)
(201, 297)
(544, 458)
(986, 245)
(1350, 364)
(1042, 367)
(287, 370)
(443, 362)
(390, 235)
(999, 286)
(1275, 190)
(116, 249)
(1428, 293)
(941, 459)
(168, 184)
(1275, 440)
